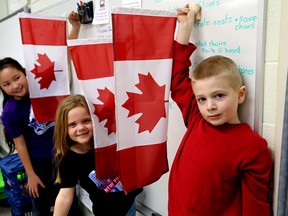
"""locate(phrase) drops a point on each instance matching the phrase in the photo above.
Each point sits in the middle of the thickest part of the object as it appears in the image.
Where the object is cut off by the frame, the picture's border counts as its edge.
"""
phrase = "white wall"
(276, 65)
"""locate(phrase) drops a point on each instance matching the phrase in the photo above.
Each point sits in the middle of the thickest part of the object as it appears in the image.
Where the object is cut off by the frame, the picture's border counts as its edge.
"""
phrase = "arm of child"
(75, 22)
(186, 18)
(64, 201)
(33, 179)
(255, 185)
(181, 89)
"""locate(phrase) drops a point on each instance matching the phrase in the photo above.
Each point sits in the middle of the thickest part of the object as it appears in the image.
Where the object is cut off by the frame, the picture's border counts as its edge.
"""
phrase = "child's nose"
(82, 127)
(211, 105)
(14, 85)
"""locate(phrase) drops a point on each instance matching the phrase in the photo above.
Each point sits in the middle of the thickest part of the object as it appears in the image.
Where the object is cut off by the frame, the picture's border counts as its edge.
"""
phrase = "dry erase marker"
(87, 11)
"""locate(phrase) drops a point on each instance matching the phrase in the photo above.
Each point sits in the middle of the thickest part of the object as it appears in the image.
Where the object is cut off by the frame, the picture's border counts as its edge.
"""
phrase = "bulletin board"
(231, 28)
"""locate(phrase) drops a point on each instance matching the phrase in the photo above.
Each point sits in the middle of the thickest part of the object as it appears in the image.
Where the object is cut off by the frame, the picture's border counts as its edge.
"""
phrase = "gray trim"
(144, 210)
(260, 56)
(282, 207)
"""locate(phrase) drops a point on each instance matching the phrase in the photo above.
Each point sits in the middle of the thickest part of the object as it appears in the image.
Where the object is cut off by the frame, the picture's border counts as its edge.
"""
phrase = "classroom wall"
(275, 74)
(275, 71)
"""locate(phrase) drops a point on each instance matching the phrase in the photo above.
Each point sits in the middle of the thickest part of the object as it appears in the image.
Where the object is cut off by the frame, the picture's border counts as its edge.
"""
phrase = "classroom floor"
(88, 212)
(5, 211)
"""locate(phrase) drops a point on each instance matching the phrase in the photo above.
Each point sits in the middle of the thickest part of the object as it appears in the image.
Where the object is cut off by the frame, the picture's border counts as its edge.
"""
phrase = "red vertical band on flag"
(106, 159)
(46, 106)
(142, 165)
(41, 31)
(134, 37)
(85, 60)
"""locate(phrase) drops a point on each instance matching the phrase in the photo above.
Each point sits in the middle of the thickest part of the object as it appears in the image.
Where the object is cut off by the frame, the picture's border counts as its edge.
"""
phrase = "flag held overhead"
(46, 62)
(93, 61)
(143, 45)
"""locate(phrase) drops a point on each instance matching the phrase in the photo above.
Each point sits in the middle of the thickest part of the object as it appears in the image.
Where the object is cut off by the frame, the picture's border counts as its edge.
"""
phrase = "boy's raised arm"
(186, 18)
(74, 20)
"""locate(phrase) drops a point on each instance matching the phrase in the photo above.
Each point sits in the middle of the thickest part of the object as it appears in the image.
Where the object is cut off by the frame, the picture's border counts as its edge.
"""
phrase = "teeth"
(18, 90)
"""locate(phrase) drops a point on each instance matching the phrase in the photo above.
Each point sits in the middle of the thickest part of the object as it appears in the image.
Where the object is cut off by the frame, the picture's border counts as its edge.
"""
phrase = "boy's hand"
(186, 18)
(196, 8)
(190, 13)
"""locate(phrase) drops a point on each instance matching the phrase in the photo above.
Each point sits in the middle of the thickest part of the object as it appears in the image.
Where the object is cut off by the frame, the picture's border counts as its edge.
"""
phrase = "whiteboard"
(231, 28)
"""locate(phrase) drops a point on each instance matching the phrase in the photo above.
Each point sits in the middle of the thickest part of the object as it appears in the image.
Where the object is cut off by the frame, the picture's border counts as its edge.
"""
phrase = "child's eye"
(219, 96)
(71, 125)
(201, 100)
(5, 85)
(87, 121)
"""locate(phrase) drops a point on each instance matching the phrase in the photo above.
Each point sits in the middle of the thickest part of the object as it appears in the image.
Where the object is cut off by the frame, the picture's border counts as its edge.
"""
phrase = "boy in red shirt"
(222, 166)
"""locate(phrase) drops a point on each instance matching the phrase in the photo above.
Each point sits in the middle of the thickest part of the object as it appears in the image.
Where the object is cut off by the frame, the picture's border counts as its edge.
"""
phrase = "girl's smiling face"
(217, 100)
(14, 82)
(80, 128)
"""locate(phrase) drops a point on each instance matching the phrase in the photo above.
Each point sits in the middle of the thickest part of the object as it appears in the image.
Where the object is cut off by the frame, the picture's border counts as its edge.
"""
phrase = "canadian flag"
(45, 56)
(143, 48)
(93, 62)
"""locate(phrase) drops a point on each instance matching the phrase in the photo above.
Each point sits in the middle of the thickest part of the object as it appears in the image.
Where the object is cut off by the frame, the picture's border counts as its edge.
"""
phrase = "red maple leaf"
(150, 103)
(45, 71)
(106, 110)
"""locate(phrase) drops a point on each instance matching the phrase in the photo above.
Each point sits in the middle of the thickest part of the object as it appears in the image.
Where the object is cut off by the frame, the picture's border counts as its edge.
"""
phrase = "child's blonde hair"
(218, 66)
(62, 141)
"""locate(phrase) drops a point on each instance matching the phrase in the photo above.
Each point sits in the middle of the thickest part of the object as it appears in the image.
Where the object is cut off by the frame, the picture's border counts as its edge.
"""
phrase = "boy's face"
(217, 100)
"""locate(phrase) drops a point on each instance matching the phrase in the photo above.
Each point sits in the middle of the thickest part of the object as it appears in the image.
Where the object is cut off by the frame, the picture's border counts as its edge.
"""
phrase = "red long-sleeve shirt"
(218, 170)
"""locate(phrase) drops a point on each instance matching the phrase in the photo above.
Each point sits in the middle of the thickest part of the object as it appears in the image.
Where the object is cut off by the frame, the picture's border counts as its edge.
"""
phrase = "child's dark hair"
(9, 63)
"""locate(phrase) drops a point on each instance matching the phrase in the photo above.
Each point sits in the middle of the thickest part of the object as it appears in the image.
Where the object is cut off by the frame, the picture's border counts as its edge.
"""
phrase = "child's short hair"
(218, 66)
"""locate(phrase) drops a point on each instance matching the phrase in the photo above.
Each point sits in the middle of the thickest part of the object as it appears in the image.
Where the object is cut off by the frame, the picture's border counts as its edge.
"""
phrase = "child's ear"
(242, 94)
